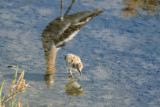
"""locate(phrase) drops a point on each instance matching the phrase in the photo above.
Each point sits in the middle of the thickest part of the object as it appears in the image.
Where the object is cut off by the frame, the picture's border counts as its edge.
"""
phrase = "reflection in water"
(135, 7)
(73, 88)
(49, 79)
(58, 33)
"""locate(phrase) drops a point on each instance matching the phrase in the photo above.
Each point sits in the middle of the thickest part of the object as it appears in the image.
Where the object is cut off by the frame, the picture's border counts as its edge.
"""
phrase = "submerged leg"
(70, 7)
(61, 10)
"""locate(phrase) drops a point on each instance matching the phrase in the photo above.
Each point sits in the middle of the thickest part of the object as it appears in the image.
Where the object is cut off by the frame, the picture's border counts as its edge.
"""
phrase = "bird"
(59, 32)
(73, 62)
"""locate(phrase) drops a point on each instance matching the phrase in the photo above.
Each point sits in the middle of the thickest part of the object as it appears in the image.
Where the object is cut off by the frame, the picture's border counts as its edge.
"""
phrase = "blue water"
(121, 55)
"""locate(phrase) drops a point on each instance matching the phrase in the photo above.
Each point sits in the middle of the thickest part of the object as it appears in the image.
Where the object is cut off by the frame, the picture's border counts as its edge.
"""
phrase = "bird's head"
(79, 67)
(59, 32)
(81, 18)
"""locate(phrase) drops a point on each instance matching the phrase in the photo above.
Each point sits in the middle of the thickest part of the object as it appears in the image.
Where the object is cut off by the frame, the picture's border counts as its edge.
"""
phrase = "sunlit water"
(121, 55)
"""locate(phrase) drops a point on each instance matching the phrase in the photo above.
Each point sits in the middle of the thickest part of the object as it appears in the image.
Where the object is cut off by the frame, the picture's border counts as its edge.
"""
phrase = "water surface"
(119, 49)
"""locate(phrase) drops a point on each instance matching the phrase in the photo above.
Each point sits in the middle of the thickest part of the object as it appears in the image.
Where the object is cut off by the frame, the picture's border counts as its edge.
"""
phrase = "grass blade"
(15, 76)
(1, 88)
(21, 76)
(17, 103)
(12, 104)
(1, 92)
(2, 99)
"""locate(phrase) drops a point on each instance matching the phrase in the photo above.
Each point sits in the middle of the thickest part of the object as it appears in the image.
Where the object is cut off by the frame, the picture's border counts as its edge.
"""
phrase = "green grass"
(17, 86)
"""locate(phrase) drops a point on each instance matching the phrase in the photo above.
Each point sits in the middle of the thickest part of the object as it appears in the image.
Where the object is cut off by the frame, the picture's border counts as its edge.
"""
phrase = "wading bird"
(60, 31)
(73, 62)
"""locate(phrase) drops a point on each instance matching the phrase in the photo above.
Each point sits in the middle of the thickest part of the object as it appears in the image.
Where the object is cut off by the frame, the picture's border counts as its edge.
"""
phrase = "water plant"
(17, 86)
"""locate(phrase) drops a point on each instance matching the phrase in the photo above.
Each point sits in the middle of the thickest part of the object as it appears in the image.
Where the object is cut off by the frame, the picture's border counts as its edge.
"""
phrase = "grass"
(17, 86)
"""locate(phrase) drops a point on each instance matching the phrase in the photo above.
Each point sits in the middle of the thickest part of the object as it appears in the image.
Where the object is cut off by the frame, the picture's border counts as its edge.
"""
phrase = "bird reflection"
(73, 88)
(137, 7)
(58, 33)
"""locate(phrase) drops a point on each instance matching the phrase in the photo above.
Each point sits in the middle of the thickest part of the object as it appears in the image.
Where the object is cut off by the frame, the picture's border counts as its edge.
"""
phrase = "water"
(121, 55)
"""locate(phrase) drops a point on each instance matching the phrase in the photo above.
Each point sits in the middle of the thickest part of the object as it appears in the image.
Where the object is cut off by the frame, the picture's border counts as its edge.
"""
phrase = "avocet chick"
(73, 62)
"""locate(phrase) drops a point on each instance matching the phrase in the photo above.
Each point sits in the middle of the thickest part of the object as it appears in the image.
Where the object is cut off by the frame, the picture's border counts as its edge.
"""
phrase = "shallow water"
(121, 55)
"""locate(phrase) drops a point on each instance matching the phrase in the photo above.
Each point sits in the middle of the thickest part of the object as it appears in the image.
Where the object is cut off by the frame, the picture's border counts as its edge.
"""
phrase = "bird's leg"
(61, 10)
(69, 7)
(70, 72)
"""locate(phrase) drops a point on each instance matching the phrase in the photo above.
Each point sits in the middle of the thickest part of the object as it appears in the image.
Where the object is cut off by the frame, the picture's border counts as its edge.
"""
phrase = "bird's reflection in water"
(49, 80)
(73, 88)
(58, 33)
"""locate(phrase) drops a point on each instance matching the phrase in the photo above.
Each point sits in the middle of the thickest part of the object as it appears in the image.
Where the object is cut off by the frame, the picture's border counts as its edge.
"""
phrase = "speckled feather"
(73, 62)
